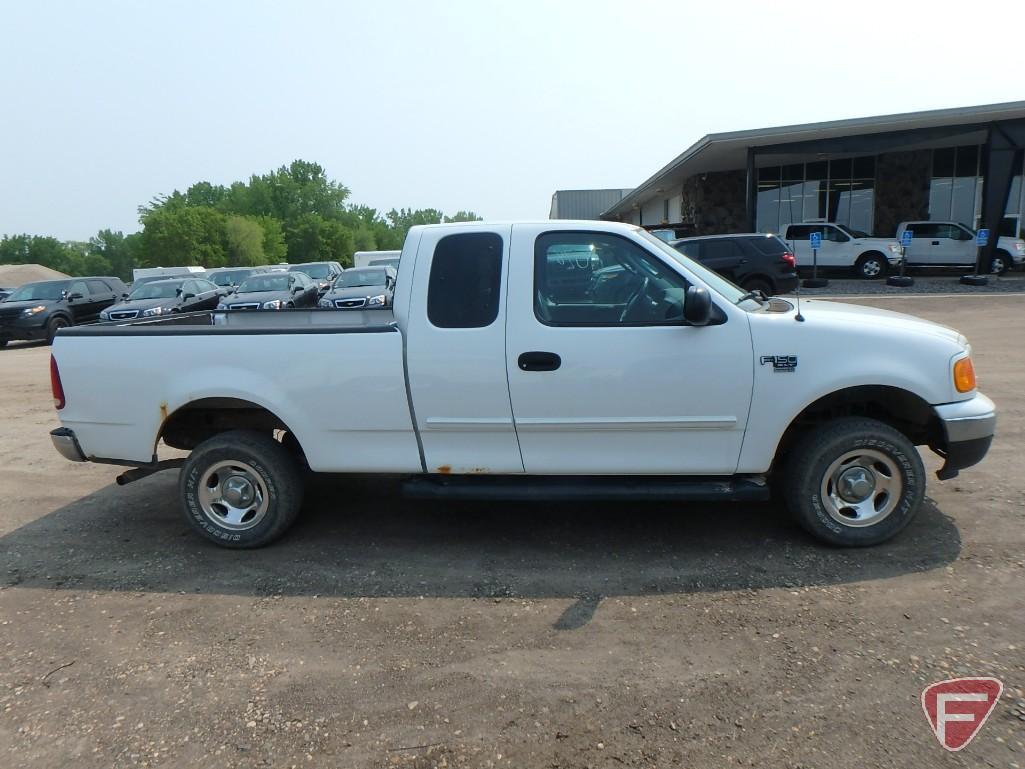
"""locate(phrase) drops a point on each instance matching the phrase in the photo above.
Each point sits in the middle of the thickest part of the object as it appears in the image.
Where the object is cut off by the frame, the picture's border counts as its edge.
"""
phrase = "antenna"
(799, 318)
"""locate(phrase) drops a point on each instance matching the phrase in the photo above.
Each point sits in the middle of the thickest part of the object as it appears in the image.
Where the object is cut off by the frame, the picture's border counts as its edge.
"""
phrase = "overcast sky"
(454, 105)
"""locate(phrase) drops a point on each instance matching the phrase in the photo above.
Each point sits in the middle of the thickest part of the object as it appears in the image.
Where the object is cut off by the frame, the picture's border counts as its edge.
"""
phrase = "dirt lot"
(386, 633)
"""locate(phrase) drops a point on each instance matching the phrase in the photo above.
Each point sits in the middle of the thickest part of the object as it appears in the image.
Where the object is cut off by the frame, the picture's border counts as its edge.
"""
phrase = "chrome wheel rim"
(997, 265)
(871, 268)
(861, 488)
(233, 495)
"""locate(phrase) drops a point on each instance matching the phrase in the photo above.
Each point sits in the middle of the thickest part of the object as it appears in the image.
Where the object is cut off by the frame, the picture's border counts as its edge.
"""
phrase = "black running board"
(587, 488)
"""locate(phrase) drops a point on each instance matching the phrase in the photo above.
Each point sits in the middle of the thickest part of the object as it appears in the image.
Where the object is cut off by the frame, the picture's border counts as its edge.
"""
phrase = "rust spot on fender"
(445, 469)
(163, 412)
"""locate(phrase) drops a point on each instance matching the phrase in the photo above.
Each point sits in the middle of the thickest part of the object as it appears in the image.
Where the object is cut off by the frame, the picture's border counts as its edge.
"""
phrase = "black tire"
(758, 284)
(870, 266)
(805, 481)
(54, 325)
(1000, 263)
(273, 475)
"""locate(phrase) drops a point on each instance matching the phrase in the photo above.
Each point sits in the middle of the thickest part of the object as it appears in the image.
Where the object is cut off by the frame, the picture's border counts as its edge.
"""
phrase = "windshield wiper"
(757, 295)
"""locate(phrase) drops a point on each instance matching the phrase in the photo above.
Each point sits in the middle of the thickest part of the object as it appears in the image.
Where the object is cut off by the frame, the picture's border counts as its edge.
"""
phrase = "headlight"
(152, 311)
(273, 304)
(222, 306)
(325, 303)
(894, 248)
(376, 301)
(1020, 245)
(33, 310)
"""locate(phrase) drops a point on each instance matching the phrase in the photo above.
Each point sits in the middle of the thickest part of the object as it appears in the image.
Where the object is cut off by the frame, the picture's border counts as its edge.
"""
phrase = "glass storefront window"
(840, 190)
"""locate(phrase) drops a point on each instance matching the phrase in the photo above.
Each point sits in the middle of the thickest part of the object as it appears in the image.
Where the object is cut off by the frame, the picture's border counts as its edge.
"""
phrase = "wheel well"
(902, 410)
(201, 419)
(873, 252)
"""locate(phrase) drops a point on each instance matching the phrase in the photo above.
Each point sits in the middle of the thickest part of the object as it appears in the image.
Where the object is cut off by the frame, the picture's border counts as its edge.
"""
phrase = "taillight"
(789, 259)
(55, 384)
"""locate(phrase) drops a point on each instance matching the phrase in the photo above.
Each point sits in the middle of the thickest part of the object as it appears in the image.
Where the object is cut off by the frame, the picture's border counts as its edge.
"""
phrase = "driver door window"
(599, 279)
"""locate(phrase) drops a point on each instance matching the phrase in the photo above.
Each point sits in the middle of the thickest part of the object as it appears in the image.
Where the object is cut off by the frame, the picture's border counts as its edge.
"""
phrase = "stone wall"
(902, 189)
(715, 203)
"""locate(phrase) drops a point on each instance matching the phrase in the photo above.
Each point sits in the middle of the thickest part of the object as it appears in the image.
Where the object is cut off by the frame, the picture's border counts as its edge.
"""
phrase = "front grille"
(7, 314)
(245, 306)
(348, 304)
(124, 315)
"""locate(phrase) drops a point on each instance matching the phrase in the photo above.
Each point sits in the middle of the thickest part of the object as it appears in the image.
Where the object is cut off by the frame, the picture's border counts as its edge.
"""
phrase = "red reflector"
(55, 384)
(789, 259)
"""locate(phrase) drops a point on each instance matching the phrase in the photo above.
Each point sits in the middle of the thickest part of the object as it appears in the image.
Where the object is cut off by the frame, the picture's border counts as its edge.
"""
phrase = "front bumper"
(968, 428)
(27, 329)
(66, 443)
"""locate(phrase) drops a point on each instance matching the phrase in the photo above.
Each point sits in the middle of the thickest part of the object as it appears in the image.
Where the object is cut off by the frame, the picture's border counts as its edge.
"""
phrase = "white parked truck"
(844, 248)
(952, 244)
(559, 360)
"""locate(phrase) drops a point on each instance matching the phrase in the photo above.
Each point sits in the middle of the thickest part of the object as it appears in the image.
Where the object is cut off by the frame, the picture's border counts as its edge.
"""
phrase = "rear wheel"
(53, 326)
(758, 284)
(870, 266)
(241, 489)
(854, 482)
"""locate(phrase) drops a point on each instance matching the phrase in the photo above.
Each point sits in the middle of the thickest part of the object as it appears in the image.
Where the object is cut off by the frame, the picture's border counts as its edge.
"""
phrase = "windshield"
(353, 278)
(716, 282)
(34, 291)
(230, 278)
(160, 290)
(258, 283)
(315, 271)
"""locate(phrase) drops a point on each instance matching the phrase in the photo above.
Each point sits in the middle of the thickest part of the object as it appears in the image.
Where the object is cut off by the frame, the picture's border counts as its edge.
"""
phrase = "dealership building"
(964, 164)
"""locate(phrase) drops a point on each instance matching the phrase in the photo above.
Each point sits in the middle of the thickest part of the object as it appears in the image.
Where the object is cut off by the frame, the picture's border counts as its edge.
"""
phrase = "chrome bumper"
(66, 443)
(968, 427)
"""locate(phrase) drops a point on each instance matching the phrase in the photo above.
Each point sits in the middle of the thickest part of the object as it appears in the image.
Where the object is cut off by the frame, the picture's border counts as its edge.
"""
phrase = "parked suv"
(753, 262)
(40, 310)
(952, 244)
(843, 247)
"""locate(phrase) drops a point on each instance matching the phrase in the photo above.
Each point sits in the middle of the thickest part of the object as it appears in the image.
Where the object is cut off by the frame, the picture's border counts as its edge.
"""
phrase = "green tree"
(243, 242)
(464, 216)
(274, 248)
(182, 236)
(313, 238)
(119, 250)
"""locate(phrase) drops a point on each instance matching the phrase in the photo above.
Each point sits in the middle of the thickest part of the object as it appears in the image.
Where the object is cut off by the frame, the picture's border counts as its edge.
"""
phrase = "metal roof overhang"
(836, 138)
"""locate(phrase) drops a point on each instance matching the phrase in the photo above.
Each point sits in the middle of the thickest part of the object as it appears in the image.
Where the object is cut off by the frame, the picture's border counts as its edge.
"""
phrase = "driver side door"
(609, 379)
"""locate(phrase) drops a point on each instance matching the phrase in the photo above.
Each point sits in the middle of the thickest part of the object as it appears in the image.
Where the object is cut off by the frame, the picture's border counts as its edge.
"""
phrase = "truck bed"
(321, 321)
(336, 379)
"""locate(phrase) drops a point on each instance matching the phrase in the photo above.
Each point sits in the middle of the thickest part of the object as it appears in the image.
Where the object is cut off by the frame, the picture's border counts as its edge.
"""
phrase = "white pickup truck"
(842, 247)
(556, 360)
(952, 244)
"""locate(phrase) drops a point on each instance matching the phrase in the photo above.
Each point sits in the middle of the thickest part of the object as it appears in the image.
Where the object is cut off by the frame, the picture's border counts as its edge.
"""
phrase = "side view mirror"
(124, 295)
(697, 306)
(74, 296)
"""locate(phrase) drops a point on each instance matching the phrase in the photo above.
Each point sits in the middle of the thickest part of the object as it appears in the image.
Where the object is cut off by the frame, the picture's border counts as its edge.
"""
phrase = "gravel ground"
(382, 632)
(1013, 283)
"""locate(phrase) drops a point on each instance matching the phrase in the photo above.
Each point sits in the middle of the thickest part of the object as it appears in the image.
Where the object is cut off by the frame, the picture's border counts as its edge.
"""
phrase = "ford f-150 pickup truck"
(555, 360)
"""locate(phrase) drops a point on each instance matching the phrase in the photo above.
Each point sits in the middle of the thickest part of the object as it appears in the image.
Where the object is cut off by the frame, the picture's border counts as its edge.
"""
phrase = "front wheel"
(241, 489)
(1000, 263)
(870, 266)
(55, 325)
(854, 482)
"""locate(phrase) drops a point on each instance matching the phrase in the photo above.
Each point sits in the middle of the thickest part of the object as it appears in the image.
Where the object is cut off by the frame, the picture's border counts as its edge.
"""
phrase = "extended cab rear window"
(466, 275)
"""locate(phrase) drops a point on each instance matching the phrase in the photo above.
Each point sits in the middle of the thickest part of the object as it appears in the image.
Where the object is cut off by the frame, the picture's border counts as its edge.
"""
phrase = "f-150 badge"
(781, 364)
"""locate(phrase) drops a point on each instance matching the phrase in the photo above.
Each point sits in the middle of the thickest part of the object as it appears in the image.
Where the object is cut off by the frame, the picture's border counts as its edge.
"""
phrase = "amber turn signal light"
(964, 375)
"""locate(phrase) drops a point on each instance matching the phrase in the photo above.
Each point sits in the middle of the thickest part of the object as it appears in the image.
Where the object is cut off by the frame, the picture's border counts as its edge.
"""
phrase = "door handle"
(539, 361)
(935, 243)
